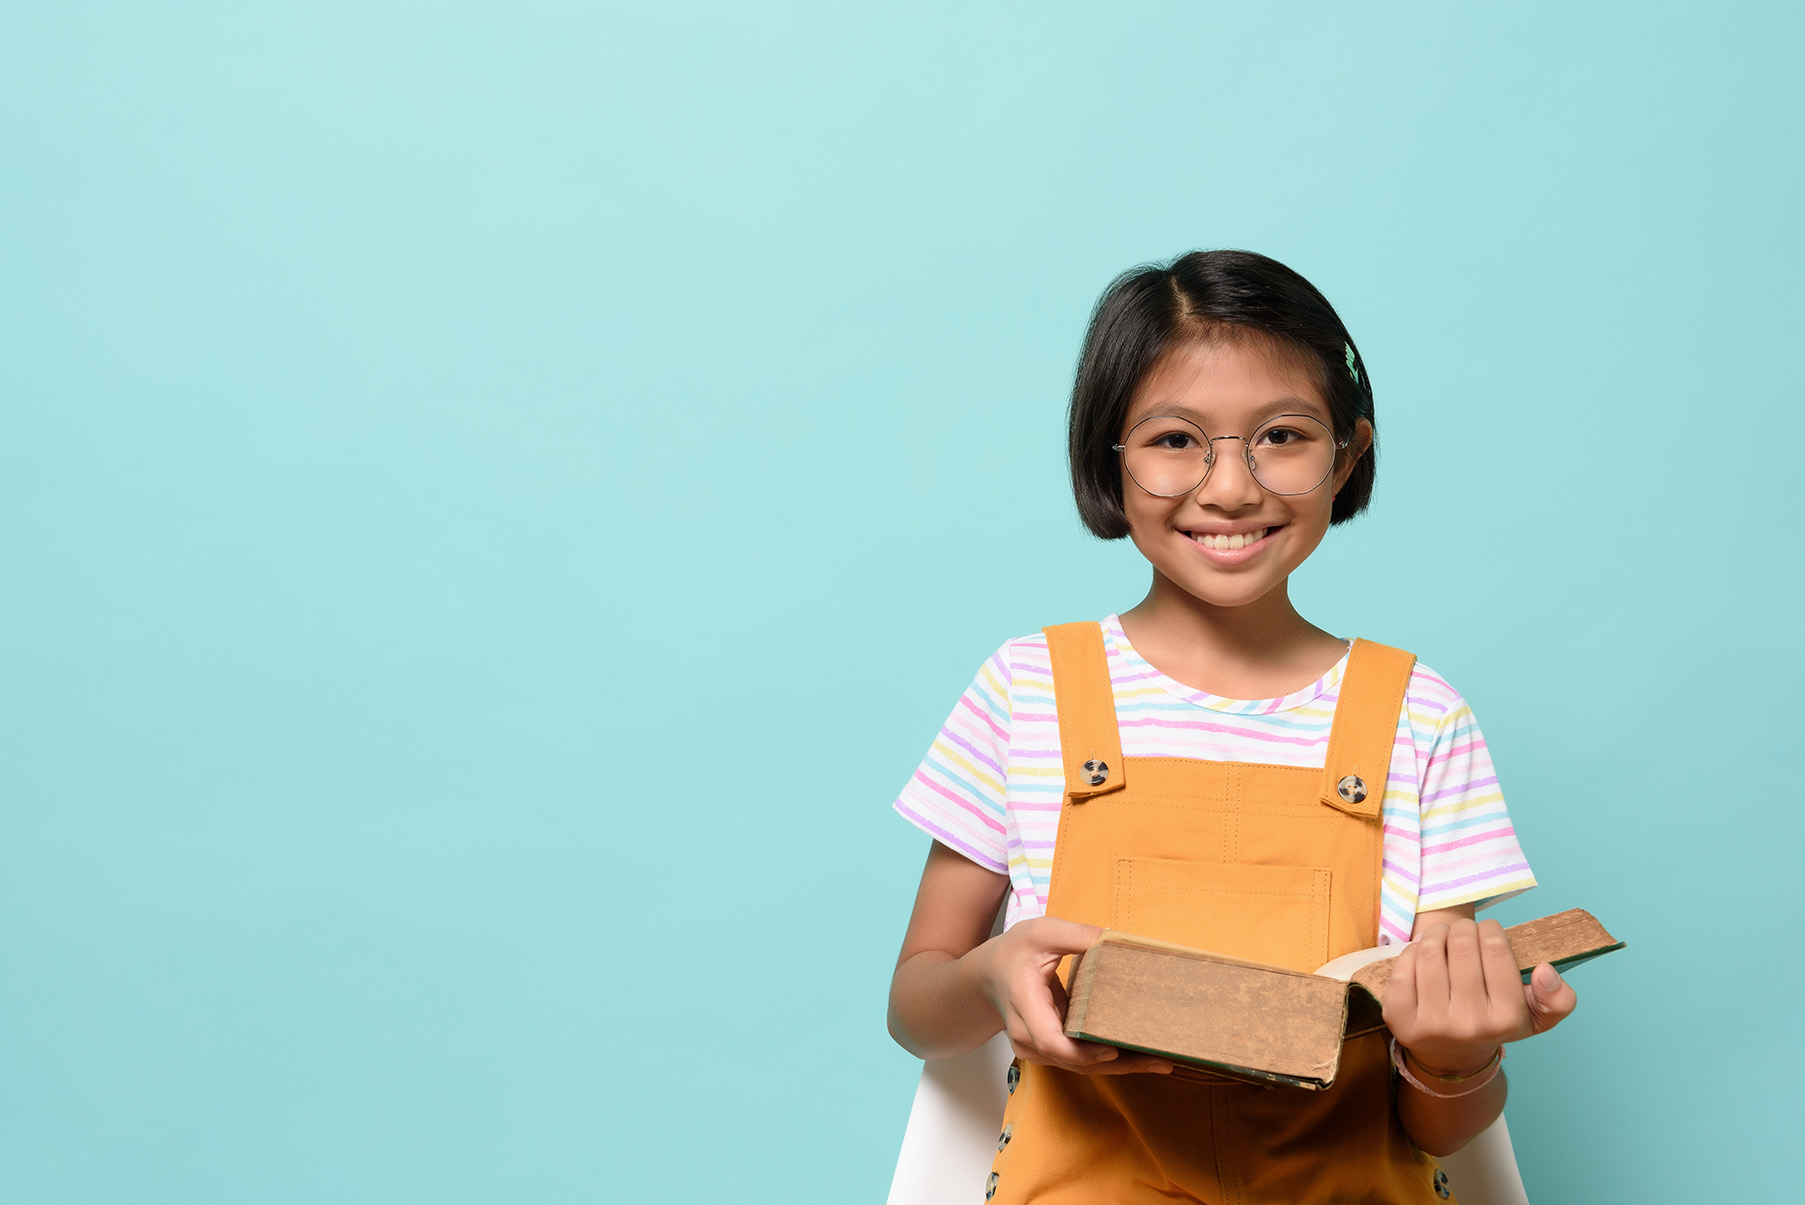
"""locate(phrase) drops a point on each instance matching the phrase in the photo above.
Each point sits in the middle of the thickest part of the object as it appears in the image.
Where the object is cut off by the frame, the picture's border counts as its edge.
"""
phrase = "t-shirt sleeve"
(957, 794)
(1470, 853)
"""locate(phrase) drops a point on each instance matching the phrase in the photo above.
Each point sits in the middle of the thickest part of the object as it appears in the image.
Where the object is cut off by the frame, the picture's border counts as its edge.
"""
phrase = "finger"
(1026, 1041)
(1432, 972)
(1065, 936)
(1400, 993)
(1062, 999)
(1017, 1032)
(1047, 1035)
(1502, 978)
(1128, 1062)
(1466, 973)
(1046, 1030)
(1062, 1003)
(1551, 998)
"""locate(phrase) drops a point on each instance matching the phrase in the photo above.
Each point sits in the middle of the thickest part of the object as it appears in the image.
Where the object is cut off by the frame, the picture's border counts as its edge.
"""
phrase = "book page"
(1343, 968)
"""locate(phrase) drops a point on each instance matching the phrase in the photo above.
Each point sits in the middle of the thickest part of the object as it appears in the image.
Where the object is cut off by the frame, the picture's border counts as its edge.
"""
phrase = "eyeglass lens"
(1168, 456)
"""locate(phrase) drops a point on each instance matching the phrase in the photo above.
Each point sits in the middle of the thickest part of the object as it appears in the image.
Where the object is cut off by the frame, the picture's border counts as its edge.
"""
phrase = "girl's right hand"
(1017, 971)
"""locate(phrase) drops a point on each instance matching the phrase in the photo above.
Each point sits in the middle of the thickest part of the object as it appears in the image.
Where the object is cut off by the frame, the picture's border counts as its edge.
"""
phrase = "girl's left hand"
(1456, 994)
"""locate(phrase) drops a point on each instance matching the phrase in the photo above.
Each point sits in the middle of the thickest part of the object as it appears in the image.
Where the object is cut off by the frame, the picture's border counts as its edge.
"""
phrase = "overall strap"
(1089, 741)
(1365, 728)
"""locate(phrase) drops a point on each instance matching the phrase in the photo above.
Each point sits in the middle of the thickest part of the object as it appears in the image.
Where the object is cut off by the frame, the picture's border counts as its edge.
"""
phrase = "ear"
(1350, 455)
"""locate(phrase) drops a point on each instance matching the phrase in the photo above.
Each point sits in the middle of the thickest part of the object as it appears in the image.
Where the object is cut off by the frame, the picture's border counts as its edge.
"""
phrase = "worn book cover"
(1227, 1017)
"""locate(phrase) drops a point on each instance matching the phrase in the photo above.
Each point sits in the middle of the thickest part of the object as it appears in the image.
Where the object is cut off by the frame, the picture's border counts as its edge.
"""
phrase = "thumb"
(1065, 936)
(1551, 998)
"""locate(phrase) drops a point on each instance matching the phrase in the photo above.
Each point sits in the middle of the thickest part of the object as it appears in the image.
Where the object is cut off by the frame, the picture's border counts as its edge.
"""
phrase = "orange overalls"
(1275, 863)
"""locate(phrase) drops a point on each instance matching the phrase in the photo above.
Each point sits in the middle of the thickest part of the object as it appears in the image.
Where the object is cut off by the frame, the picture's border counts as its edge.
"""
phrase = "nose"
(1229, 484)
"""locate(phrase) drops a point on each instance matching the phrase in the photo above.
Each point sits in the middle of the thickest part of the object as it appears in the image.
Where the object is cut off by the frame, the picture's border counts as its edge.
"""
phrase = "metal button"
(1005, 1136)
(1015, 1076)
(990, 1186)
(1096, 772)
(1352, 788)
(1441, 1184)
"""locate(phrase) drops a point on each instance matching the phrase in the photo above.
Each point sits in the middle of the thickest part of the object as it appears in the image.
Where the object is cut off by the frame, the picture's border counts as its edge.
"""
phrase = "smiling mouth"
(1229, 543)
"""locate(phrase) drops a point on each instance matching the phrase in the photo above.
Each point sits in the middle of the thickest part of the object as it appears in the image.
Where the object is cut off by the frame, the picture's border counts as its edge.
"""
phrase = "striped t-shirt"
(991, 784)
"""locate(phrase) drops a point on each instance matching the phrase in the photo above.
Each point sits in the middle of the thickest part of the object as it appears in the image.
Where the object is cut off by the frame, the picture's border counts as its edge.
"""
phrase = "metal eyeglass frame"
(1246, 454)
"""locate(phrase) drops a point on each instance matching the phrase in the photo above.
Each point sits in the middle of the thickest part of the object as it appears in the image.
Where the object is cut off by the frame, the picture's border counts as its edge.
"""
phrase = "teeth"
(1230, 543)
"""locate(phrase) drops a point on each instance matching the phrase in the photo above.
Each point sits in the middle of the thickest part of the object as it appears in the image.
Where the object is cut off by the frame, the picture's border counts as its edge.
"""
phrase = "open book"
(1226, 1017)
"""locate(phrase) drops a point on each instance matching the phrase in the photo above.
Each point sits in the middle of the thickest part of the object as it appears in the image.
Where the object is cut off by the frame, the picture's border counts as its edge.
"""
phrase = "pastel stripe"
(991, 783)
(946, 838)
(971, 808)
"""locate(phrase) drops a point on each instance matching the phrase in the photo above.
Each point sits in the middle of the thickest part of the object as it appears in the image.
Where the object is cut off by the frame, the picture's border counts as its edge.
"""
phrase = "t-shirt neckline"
(1140, 670)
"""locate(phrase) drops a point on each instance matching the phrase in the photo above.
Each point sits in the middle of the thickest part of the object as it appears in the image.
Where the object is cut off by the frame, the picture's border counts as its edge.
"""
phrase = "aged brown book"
(1245, 1020)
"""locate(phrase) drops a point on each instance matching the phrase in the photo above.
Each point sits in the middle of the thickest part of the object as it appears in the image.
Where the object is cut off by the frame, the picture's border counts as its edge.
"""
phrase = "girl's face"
(1230, 389)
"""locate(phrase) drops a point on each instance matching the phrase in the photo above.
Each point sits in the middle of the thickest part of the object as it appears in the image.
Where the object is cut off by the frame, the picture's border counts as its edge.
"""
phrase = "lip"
(1231, 556)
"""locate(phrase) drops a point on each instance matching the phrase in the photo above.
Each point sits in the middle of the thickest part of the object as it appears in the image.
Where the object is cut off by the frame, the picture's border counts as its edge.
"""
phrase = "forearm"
(1442, 1125)
(937, 1007)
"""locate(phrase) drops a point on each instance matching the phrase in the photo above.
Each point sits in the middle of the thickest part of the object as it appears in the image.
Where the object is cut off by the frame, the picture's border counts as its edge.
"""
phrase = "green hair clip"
(1352, 369)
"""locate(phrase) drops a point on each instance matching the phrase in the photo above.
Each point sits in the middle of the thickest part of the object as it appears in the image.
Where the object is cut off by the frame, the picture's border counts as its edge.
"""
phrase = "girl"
(1211, 768)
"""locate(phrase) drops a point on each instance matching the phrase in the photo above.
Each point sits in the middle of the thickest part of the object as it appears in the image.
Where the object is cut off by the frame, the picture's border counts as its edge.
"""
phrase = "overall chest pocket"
(1272, 914)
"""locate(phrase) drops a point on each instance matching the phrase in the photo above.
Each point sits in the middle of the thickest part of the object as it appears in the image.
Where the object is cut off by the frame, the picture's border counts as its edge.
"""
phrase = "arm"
(953, 989)
(1455, 997)
(936, 1009)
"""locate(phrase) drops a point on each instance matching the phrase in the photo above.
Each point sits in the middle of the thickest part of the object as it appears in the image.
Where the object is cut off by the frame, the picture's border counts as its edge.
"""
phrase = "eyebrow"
(1266, 410)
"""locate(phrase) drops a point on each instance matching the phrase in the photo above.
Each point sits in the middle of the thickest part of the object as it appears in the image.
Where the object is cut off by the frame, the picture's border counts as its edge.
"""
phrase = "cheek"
(1315, 518)
(1146, 515)
(1313, 523)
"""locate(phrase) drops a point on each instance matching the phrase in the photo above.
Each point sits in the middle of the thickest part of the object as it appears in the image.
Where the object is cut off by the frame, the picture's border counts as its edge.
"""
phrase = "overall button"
(990, 1186)
(1096, 772)
(1351, 788)
(1015, 1076)
(1005, 1136)
(1441, 1184)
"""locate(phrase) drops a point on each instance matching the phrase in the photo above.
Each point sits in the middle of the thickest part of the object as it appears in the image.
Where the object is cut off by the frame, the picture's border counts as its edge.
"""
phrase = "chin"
(1215, 594)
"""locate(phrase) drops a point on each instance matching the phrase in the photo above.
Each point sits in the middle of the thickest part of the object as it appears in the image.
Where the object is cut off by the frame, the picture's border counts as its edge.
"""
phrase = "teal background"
(496, 499)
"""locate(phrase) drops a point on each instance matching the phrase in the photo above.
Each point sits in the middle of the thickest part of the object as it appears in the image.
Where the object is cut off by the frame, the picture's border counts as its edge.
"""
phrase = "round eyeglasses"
(1169, 456)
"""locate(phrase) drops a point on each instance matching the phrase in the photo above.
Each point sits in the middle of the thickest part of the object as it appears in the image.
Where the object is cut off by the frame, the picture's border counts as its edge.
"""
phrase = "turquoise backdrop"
(496, 498)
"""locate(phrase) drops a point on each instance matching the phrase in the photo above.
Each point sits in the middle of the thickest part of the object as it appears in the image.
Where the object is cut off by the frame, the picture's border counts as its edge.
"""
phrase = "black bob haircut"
(1205, 297)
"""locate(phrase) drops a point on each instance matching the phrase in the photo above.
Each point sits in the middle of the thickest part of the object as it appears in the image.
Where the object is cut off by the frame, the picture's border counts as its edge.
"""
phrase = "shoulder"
(1019, 671)
(1022, 659)
(1429, 699)
(1022, 668)
(1432, 700)
(1028, 659)
(1433, 712)
(1449, 743)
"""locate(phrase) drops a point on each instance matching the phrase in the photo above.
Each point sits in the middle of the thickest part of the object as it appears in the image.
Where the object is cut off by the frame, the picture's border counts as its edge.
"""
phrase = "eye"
(1291, 432)
(1168, 435)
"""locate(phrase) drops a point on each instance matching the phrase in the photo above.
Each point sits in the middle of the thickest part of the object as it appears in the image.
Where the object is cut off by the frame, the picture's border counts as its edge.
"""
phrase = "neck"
(1259, 650)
